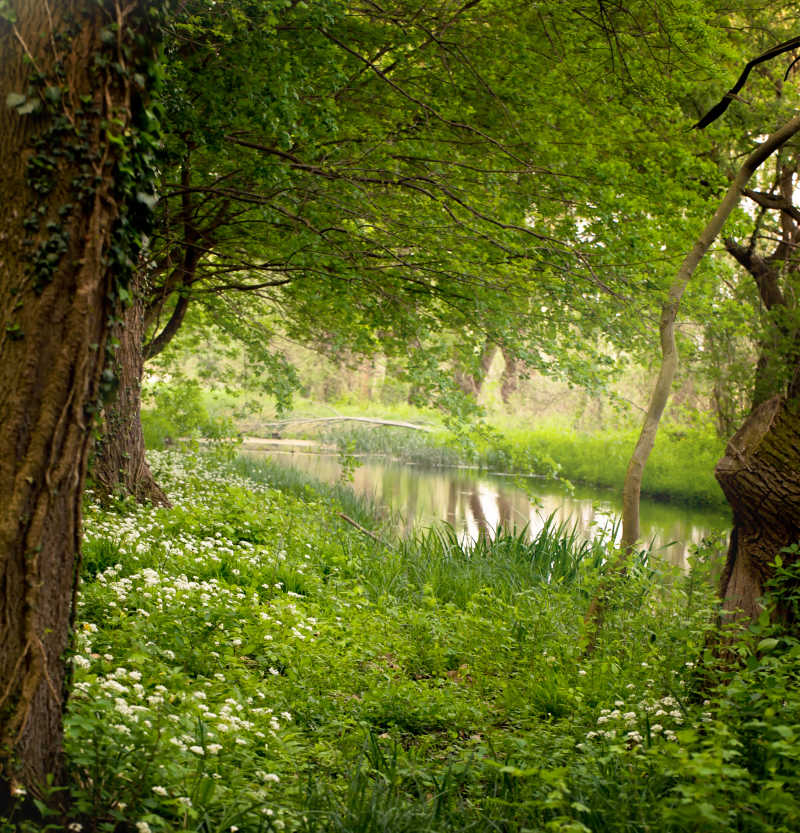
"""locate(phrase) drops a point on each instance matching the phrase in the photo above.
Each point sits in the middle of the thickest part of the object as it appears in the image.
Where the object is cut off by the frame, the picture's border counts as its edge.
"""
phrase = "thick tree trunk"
(119, 466)
(760, 476)
(59, 186)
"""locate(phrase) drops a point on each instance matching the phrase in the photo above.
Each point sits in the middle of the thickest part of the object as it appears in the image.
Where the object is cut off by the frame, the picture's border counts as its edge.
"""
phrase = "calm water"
(472, 501)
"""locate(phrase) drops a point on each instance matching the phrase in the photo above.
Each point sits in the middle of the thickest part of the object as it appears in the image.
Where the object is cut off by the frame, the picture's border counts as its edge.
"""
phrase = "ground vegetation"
(245, 659)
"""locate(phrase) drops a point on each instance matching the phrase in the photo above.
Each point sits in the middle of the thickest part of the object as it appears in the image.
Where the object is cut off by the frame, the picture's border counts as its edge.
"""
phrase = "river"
(471, 501)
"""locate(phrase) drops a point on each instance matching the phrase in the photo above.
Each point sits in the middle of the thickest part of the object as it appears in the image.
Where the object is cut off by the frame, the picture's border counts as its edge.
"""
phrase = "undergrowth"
(246, 661)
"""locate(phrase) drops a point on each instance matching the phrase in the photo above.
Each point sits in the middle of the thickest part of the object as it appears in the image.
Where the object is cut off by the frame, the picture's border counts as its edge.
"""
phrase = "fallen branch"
(363, 529)
(370, 420)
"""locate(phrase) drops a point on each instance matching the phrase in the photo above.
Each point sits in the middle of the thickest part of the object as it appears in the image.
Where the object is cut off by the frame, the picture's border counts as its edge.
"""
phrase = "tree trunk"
(64, 221)
(510, 378)
(760, 476)
(471, 381)
(669, 353)
(777, 348)
(119, 466)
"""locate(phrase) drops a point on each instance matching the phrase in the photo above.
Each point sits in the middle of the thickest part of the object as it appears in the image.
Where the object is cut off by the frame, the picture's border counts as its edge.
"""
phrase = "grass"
(680, 468)
(439, 563)
(434, 448)
(245, 661)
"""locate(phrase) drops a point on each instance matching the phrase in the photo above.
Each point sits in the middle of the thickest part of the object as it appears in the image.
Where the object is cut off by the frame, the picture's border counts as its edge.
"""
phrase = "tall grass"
(681, 465)
(433, 448)
(438, 562)
(384, 794)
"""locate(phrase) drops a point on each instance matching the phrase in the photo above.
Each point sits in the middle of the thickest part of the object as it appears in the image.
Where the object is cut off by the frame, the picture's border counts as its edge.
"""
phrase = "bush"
(178, 414)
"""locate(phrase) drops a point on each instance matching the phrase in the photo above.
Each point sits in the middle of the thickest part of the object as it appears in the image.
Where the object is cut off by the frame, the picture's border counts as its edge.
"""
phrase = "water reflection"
(474, 502)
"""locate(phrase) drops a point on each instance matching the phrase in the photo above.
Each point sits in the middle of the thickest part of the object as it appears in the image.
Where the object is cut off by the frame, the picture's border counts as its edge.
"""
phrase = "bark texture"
(55, 305)
(119, 466)
(777, 348)
(760, 476)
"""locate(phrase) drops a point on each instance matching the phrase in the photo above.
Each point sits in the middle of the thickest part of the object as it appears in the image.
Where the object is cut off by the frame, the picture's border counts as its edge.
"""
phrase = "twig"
(363, 529)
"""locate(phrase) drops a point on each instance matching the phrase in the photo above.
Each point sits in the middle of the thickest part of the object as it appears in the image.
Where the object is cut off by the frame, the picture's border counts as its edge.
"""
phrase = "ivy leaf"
(15, 100)
(22, 104)
(149, 200)
(7, 13)
(31, 106)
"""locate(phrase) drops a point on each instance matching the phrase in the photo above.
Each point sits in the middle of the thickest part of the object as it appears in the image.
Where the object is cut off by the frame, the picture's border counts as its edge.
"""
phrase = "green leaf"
(7, 12)
(766, 645)
(31, 106)
(149, 200)
(15, 99)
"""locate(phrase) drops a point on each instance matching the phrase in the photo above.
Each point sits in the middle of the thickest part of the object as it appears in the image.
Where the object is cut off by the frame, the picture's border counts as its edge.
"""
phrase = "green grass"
(680, 468)
(246, 660)
(437, 562)
(434, 448)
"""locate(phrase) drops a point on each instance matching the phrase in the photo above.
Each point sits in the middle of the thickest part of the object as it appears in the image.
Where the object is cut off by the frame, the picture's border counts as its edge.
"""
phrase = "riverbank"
(474, 502)
(248, 661)
(680, 468)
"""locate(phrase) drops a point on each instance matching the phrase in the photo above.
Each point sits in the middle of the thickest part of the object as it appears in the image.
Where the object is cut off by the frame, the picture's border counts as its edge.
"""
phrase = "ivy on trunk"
(75, 145)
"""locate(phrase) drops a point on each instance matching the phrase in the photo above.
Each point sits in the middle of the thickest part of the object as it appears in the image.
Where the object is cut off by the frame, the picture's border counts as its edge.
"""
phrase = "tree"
(760, 472)
(669, 350)
(119, 465)
(415, 182)
(74, 172)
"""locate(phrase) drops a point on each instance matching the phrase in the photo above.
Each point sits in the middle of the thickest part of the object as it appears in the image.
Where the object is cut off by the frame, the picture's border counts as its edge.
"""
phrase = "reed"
(453, 568)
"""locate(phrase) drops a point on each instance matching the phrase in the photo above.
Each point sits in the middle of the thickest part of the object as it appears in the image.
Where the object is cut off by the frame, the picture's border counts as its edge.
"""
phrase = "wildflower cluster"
(645, 721)
(184, 619)
(244, 662)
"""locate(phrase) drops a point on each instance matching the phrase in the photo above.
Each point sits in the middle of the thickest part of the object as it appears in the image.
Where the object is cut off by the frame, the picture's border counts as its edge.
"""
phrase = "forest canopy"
(432, 185)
